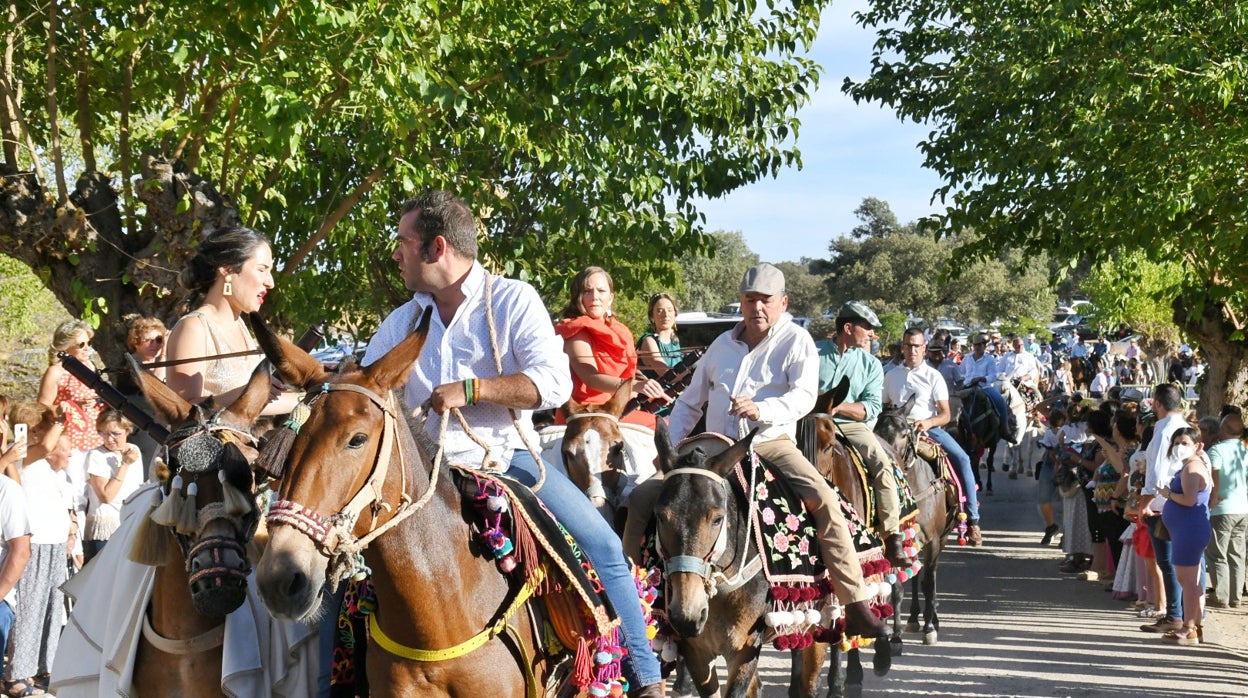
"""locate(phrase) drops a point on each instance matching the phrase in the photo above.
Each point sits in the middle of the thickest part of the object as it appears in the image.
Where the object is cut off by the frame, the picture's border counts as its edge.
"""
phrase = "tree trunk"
(1226, 360)
(83, 254)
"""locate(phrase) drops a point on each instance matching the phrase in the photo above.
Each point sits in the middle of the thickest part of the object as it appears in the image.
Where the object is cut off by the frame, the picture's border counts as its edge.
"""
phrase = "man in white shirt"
(1080, 350)
(1168, 404)
(764, 374)
(436, 252)
(930, 413)
(1101, 384)
(979, 368)
(1019, 365)
(14, 553)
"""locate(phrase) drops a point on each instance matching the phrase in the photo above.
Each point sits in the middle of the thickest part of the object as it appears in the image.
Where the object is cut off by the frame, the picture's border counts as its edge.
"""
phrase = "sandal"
(23, 687)
(1184, 636)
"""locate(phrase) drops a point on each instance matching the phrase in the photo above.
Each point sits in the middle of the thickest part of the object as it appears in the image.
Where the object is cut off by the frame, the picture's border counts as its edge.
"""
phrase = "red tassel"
(583, 667)
(528, 558)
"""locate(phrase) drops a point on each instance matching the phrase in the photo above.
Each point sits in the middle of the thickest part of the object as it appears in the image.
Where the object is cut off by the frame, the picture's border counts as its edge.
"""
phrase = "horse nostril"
(298, 582)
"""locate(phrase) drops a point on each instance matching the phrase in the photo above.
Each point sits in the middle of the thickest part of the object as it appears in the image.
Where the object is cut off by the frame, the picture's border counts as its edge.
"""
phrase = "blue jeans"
(6, 624)
(606, 551)
(1169, 578)
(999, 403)
(962, 462)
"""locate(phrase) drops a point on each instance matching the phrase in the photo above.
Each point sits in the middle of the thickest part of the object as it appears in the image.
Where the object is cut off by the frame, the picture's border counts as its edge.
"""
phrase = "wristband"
(469, 397)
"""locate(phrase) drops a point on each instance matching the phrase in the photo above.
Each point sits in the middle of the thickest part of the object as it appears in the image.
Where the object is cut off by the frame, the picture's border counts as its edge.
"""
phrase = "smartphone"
(19, 432)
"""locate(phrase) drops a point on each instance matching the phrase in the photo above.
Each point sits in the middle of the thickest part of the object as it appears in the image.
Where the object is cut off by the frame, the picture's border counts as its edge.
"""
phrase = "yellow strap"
(476, 641)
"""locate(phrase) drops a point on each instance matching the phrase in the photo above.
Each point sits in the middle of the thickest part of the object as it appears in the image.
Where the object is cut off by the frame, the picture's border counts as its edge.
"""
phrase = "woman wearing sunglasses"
(76, 405)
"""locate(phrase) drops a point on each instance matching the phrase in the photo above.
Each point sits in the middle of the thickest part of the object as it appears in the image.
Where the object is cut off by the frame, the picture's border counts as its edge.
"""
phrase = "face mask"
(1184, 451)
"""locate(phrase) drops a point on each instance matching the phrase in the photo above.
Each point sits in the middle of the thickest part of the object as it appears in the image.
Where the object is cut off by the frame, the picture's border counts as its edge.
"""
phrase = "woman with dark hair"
(230, 274)
(601, 348)
(659, 348)
(1186, 515)
(1109, 488)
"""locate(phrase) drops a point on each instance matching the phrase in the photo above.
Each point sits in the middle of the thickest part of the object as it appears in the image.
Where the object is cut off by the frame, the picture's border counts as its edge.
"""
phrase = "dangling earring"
(228, 288)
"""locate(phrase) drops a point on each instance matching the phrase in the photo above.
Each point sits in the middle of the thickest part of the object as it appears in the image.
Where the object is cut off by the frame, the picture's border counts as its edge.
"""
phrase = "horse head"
(210, 494)
(693, 518)
(593, 447)
(897, 432)
(337, 489)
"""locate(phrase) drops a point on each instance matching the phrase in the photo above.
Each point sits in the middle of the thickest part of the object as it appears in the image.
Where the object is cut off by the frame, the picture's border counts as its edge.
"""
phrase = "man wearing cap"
(979, 368)
(763, 374)
(929, 413)
(841, 357)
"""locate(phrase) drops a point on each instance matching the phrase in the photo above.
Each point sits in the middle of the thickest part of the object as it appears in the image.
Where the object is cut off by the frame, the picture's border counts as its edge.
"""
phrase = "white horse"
(616, 465)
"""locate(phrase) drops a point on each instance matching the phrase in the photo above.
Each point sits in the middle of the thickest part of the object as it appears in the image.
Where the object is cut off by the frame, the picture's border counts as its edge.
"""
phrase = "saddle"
(783, 537)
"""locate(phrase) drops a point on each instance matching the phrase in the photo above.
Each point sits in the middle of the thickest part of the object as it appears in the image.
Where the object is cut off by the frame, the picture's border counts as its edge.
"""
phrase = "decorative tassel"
(153, 544)
(167, 513)
(528, 558)
(583, 667)
(236, 503)
(272, 458)
(188, 517)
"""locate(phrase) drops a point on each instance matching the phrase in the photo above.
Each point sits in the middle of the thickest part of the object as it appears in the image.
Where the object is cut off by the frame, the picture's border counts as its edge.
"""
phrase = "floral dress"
(80, 407)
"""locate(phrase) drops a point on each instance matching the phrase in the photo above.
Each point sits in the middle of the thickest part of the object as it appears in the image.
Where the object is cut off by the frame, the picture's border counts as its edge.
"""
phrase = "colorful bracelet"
(469, 398)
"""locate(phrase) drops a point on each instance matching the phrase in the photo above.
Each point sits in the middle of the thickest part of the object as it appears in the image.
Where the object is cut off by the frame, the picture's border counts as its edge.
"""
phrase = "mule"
(715, 594)
(979, 433)
(447, 622)
(201, 563)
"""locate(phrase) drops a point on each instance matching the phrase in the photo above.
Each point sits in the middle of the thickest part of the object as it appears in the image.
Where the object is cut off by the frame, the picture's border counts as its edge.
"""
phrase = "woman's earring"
(228, 288)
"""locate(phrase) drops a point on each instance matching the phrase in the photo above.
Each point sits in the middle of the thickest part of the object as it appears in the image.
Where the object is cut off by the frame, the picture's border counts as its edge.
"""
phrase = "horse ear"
(571, 407)
(248, 405)
(663, 444)
(619, 400)
(170, 408)
(832, 398)
(724, 462)
(292, 364)
(392, 370)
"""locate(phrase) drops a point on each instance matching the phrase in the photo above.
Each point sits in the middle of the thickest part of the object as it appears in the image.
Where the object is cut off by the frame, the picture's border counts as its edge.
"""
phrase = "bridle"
(334, 536)
(706, 567)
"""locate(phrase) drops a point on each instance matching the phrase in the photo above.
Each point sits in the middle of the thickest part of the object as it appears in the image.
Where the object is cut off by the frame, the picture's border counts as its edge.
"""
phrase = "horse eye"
(357, 441)
(718, 520)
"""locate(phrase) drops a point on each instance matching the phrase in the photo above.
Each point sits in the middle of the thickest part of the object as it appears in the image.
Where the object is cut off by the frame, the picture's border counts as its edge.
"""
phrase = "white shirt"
(923, 382)
(13, 523)
(780, 374)
(105, 464)
(1019, 365)
(527, 344)
(985, 367)
(1079, 350)
(48, 500)
(1161, 467)
(1100, 383)
(952, 373)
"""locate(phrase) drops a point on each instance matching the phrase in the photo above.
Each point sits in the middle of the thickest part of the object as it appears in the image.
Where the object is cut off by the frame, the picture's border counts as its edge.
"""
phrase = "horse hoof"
(929, 638)
(912, 627)
(896, 645)
(883, 660)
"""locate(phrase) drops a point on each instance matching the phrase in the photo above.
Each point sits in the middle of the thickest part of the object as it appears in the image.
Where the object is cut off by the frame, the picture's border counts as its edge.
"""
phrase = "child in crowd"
(114, 472)
(1046, 489)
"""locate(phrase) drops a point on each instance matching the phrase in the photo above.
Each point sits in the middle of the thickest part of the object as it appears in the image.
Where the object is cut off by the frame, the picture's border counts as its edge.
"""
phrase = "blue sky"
(849, 152)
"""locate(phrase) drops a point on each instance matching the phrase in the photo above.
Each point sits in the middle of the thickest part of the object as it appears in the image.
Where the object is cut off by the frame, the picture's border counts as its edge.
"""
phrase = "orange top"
(615, 354)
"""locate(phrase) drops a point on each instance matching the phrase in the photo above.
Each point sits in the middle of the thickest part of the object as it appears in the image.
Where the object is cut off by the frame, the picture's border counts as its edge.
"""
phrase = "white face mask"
(1184, 451)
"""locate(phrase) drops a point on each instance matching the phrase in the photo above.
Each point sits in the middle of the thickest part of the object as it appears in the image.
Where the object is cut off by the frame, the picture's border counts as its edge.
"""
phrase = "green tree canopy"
(712, 277)
(808, 296)
(1083, 130)
(581, 132)
(895, 268)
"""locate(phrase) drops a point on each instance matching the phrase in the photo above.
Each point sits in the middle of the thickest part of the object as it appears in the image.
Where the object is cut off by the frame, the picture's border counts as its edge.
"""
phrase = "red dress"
(80, 407)
(615, 354)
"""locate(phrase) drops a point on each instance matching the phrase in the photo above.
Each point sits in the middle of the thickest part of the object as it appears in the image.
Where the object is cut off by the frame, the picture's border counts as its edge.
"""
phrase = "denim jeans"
(999, 403)
(6, 624)
(962, 462)
(1169, 578)
(604, 548)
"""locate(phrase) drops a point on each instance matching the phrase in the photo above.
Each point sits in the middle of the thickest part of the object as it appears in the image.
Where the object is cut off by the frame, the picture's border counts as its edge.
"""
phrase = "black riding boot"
(895, 552)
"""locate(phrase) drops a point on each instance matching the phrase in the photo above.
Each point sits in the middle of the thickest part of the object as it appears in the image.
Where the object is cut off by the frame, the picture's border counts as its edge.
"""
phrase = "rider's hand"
(654, 390)
(744, 407)
(448, 395)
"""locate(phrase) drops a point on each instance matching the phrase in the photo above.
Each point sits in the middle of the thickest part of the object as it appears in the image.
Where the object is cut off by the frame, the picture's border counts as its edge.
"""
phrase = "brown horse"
(201, 558)
(356, 472)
